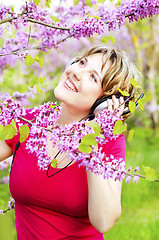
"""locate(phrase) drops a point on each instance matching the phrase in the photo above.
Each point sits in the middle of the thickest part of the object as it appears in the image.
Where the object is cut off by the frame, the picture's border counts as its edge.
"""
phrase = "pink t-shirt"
(53, 208)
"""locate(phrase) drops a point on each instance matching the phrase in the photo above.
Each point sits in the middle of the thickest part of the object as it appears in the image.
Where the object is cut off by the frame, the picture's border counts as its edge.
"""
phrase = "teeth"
(70, 85)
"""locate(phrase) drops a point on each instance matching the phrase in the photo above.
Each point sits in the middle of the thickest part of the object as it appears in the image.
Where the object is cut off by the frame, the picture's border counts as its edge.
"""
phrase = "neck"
(68, 115)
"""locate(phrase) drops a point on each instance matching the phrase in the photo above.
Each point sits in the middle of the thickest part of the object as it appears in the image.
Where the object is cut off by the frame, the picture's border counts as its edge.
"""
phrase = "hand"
(115, 103)
(111, 105)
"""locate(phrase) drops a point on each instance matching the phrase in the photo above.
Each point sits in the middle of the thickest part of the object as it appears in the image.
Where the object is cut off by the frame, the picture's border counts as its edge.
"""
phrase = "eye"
(82, 62)
(93, 77)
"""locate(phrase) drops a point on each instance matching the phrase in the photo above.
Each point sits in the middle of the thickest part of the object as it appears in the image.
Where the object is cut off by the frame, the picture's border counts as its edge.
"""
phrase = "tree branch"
(18, 50)
(12, 18)
(47, 25)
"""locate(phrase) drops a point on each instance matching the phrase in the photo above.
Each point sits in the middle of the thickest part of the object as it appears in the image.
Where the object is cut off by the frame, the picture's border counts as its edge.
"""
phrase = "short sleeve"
(115, 147)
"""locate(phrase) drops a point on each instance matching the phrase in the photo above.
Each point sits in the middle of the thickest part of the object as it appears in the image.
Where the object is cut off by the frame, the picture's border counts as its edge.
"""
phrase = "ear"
(101, 103)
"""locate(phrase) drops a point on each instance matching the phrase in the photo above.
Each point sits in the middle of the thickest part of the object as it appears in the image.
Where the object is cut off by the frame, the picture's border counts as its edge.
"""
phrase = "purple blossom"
(1, 212)
(11, 203)
(4, 164)
(135, 179)
(136, 169)
(44, 128)
(10, 110)
(5, 180)
(128, 178)
(73, 17)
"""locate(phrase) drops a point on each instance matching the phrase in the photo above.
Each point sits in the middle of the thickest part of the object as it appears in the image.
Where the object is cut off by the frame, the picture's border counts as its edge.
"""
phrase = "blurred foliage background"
(140, 213)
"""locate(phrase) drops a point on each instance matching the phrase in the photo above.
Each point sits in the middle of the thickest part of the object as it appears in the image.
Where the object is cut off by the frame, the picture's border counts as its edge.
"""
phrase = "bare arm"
(104, 195)
(104, 201)
(5, 151)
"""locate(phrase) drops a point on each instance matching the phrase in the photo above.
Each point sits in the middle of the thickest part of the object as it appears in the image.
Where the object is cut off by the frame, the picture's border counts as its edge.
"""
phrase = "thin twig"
(134, 174)
(46, 24)
(18, 50)
(13, 18)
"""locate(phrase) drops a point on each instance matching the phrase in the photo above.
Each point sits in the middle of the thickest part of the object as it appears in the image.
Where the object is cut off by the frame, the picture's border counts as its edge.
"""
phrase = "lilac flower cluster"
(87, 27)
(5, 164)
(3, 11)
(45, 116)
(106, 120)
(10, 109)
(44, 128)
(23, 97)
(68, 138)
(76, 21)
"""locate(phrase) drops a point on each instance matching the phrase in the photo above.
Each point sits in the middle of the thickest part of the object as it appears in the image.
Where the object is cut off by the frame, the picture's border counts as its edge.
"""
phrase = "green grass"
(140, 202)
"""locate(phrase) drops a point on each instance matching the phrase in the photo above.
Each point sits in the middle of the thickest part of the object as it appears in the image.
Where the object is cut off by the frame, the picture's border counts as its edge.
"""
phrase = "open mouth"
(70, 85)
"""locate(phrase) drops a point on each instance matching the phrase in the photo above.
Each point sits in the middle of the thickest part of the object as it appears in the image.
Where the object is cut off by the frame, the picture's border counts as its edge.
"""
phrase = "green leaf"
(132, 106)
(7, 132)
(40, 80)
(100, 1)
(36, 2)
(130, 135)
(24, 133)
(97, 17)
(112, 39)
(89, 14)
(150, 173)
(14, 125)
(41, 62)
(44, 78)
(39, 90)
(54, 163)
(12, 8)
(2, 137)
(27, 59)
(133, 82)
(84, 148)
(119, 128)
(96, 127)
(105, 39)
(55, 19)
(88, 2)
(92, 124)
(36, 58)
(124, 93)
(47, 2)
(76, 2)
(141, 103)
(89, 139)
(148, 96)
(33, 82)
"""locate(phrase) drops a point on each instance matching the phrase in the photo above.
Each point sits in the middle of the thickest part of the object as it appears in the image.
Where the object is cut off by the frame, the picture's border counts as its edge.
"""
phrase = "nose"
(76, 76)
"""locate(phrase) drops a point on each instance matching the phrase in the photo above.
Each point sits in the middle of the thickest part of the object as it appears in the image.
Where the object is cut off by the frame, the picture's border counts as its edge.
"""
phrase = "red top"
(57, 207)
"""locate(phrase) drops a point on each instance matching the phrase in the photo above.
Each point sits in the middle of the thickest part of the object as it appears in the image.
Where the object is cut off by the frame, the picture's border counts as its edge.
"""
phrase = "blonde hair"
(119, 74)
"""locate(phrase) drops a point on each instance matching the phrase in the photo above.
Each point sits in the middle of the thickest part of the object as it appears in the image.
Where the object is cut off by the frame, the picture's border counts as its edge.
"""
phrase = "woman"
(73, 204)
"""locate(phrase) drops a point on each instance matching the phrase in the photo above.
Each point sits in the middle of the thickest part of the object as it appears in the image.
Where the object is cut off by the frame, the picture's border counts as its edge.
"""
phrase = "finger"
(121, 105)
(115, 102)
(109, 102)
(121, 102)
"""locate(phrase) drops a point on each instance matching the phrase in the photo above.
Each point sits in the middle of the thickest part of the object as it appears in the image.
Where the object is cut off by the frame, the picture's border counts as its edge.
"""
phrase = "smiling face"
(81, 83)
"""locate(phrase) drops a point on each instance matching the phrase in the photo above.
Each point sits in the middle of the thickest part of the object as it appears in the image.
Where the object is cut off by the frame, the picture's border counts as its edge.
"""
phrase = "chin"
(58, 93)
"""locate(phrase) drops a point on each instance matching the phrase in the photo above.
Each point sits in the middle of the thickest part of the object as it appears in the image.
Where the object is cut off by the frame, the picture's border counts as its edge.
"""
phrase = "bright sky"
(15, 3)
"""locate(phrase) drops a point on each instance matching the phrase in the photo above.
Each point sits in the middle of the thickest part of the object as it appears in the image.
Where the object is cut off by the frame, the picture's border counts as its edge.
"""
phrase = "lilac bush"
(53, 28)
